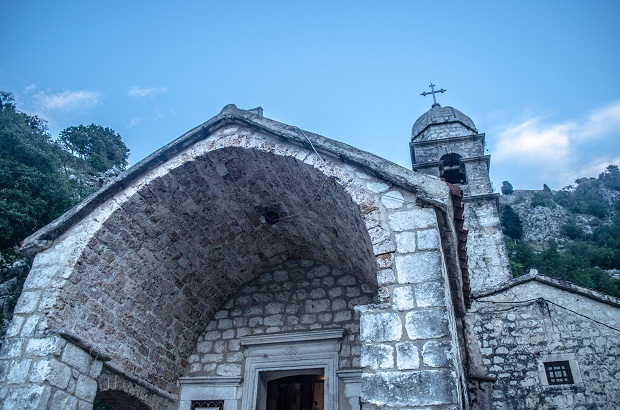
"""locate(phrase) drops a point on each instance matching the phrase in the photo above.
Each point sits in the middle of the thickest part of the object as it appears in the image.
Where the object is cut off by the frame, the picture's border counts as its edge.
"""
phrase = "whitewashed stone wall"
(516, 333)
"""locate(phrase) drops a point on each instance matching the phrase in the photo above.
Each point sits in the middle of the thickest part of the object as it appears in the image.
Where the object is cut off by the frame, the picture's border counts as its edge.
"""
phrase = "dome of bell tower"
(442, 122)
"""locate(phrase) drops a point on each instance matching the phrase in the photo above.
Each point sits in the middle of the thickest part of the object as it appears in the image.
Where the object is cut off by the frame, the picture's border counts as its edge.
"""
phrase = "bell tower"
(445, 143)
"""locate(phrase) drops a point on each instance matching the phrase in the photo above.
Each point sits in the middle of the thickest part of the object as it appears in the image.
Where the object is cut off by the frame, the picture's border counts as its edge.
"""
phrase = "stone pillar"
(408, 355)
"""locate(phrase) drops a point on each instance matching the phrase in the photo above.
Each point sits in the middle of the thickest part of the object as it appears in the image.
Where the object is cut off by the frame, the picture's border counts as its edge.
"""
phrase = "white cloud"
(142, 92)
(594, 167)
(601, 122)
(31, 87)
(532, 140)
(538, 151)
(66, 100)
(135, 121)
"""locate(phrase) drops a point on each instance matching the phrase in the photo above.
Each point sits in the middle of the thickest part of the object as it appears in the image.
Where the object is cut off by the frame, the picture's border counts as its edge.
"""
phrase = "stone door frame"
(290, 353)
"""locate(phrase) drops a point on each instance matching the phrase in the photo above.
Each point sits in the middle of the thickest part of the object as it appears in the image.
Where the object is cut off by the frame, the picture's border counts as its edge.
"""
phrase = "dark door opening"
(300, 392)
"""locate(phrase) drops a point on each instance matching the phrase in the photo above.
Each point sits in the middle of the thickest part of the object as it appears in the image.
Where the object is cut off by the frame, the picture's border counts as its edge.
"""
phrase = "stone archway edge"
(429, 190)
(113, 367)
(143, 383)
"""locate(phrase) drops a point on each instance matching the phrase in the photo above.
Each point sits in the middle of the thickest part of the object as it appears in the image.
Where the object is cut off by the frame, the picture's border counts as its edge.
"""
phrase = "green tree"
(507, 188)
(543, 198)
(32, 191)
(101, 148)
(611, 177)
(511, 223)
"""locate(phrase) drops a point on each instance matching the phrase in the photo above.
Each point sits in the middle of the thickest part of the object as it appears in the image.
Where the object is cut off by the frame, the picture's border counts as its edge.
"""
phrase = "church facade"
(252, 265)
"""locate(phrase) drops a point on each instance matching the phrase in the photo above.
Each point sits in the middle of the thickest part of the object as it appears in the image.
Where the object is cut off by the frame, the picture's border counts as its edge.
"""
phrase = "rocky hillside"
(571, 234)
(546, 221)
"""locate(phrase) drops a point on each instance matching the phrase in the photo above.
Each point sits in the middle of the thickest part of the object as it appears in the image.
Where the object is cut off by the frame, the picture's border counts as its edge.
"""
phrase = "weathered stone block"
(316, 306)
(15, 326)
(76, 358)
(403, 298)
(18, 371)
(418, 267)
(386, 277)
(45, 346)
(414, 388)
(428, 239)
(393, 200)
(437, 354)
(405, 242)
(343, 316)
(229, 369)
(381, 327)
(12, 347)
(430, 294)
(274, 320)
(377, 356)
(427, 324)
(27, 302)
(62, 400)
(407, 356)
(377, 187)
(31, 398)
(412, 219)
(86, 388)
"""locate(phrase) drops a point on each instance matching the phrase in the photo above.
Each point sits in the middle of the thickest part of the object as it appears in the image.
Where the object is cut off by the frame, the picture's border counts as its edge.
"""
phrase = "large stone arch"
(130, 278)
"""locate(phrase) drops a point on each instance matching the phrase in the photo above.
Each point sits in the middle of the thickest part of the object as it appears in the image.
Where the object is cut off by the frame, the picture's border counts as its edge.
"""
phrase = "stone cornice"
(450, 140)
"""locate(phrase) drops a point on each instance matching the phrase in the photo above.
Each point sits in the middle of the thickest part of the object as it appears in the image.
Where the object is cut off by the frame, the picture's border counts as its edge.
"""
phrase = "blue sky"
(540, 78)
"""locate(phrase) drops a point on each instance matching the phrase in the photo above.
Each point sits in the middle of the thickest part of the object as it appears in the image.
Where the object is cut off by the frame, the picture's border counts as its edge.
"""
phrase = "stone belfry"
(445, 143)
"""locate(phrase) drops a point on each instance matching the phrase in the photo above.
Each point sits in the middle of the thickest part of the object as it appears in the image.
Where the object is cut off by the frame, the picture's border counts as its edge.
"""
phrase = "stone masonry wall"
(478, 182)
(409, 356)
(444, 130)
(64, 373)
(516, 332)
(300, 295)
(397, 234)
(467, 147)
(488, 260)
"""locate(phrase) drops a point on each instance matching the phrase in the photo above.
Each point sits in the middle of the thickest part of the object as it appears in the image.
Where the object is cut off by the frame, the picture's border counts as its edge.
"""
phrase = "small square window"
(207, 405)
(558, 372)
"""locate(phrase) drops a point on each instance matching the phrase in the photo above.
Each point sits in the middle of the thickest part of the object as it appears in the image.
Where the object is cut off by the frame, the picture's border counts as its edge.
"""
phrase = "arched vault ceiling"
(179, 248)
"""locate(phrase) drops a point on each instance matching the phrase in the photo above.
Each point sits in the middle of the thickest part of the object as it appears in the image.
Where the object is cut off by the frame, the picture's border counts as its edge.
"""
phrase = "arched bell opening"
(453, 169)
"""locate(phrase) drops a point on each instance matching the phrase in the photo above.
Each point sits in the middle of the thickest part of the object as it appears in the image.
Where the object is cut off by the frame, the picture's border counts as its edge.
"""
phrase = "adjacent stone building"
(253, 265)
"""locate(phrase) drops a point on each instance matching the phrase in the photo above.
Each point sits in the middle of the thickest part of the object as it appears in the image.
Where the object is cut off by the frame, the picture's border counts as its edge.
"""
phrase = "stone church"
(250, 265)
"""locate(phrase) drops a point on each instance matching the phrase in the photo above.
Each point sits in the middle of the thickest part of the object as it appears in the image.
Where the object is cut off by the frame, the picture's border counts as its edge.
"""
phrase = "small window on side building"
(558, 372)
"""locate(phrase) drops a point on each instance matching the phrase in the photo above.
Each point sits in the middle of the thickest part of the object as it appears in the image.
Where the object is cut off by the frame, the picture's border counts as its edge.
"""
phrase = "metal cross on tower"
(425, 93)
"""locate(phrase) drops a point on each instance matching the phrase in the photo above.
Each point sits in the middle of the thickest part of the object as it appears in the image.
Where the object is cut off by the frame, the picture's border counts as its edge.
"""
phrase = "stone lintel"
(293, 337)
(210, 380)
